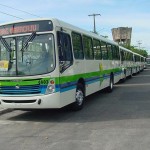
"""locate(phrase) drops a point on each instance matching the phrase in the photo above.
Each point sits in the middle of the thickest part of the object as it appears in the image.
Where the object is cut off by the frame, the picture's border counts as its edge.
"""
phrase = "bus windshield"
(23, 55)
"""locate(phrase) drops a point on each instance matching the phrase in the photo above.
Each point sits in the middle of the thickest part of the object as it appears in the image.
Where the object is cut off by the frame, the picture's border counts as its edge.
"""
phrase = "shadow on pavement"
(125, 102)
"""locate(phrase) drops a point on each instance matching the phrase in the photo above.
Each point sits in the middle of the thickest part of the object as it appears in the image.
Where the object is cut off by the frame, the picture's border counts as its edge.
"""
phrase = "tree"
(142, 52)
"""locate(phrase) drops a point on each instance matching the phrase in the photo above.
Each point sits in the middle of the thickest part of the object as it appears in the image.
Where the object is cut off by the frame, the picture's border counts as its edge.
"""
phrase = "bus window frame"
(81, 45)
(96, 40)
(64, 64)
(104, 43)
(91, 48)
(111, 54)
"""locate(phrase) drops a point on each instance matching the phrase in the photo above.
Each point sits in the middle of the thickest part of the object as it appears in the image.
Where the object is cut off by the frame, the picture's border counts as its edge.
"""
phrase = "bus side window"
(122, 56)
(97, 49)
(110, 53)
(116, 54)
(88, 47)
(104, 50)
(64, 50)
(77, 46)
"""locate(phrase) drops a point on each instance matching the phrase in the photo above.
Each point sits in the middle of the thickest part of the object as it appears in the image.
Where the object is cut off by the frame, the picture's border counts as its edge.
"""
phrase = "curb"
(5, 110)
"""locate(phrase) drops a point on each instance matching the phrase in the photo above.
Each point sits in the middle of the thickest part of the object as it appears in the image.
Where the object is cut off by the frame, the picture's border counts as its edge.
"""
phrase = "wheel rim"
(79, 97)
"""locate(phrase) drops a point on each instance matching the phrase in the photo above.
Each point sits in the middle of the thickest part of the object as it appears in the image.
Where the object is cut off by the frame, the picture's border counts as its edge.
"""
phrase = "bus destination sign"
(26, 27)
(19, 29)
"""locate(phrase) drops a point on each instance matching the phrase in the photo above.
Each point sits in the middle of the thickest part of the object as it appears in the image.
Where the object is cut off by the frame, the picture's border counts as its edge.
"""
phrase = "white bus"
(148, 61)
(48, 63)
(131, 63)
(139, 62)
(143, 63)
(127, 63)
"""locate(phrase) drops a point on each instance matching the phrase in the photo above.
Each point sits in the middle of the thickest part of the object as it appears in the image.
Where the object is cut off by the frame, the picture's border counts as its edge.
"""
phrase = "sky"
(114, 14)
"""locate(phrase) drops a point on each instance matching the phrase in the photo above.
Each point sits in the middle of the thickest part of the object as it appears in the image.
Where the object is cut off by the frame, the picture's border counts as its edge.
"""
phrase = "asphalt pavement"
(109, 121)
(5, 110)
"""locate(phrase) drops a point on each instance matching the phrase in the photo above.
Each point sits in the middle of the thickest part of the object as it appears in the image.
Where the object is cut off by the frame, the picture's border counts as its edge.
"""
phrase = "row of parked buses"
(48, 63)
(132, 62)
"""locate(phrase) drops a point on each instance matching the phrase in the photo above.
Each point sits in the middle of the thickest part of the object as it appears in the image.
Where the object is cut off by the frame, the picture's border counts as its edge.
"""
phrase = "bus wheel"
(111, 85)
(125, 77)
(79, 98)
(130, 76)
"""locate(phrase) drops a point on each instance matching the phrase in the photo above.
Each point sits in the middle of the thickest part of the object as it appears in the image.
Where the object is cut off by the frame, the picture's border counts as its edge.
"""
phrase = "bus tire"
(130, 76)
(125, 77)
(79, 98)
(111, 85)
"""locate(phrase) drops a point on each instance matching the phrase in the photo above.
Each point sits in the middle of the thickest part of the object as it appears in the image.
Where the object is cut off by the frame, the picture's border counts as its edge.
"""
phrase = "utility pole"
(94, 30)
(139, 43)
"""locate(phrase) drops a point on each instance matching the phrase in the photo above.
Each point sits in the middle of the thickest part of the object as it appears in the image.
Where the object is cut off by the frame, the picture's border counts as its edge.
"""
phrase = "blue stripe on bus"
(72, 85)
(106, 76)
(92, 79)
(67, 89)
(117, 73)
(68, 84)
(60, 88)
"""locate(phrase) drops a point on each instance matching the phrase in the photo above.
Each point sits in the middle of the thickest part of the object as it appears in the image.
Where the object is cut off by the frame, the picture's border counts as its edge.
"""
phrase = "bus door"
(65, 59)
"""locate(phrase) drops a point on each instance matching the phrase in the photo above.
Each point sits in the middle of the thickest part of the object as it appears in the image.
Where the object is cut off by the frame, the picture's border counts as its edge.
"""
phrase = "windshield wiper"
(26, 44)
(8, 48)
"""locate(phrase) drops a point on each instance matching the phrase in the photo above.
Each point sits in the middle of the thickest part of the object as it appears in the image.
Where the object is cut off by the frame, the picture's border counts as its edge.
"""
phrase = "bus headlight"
(51, 87)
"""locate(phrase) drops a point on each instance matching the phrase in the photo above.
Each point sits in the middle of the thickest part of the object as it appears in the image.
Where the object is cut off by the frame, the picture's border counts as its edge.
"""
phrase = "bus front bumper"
(31, 102)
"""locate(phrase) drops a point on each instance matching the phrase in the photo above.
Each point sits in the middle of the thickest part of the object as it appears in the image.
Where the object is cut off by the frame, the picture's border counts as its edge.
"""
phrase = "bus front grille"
(19, 90)
(19, 101)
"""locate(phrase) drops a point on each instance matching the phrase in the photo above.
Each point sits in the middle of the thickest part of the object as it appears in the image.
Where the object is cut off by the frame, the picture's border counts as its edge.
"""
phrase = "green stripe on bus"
(62, 80)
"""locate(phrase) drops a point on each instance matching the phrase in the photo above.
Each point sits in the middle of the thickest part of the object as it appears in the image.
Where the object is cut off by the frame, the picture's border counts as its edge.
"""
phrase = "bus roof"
(77, 29)
(125, 49)
(63, 24)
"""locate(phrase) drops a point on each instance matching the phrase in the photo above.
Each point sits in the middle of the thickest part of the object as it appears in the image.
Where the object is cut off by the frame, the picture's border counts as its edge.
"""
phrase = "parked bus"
(147, 61)
(48, 63)
(139, 62)
(127, 62)
(143, 63)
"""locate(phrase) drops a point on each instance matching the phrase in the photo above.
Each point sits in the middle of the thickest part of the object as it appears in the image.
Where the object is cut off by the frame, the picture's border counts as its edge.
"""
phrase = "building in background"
(122, 35)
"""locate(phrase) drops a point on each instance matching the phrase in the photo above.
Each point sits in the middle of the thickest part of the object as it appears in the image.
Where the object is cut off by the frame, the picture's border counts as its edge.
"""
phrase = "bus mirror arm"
(61, 66)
